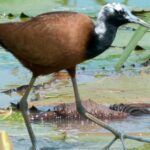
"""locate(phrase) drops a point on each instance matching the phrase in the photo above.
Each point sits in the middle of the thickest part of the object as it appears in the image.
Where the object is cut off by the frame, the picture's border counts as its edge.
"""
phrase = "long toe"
(122, 141)
(117, 136)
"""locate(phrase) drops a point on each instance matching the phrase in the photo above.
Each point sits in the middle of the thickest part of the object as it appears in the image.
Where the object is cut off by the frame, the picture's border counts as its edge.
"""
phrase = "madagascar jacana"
(60, 40)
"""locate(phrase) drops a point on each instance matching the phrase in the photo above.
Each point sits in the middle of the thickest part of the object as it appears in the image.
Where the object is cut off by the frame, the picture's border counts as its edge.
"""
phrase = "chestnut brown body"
(49, 42)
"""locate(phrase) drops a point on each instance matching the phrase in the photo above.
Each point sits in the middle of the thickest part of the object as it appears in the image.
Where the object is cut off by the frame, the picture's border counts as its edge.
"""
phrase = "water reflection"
(79, 134)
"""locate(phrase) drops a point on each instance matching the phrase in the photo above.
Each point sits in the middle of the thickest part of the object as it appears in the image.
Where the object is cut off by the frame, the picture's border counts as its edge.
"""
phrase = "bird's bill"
(139, 21)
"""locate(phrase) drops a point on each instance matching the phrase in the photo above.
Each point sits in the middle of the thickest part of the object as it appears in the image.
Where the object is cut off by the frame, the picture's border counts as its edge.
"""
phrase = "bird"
(59, 40)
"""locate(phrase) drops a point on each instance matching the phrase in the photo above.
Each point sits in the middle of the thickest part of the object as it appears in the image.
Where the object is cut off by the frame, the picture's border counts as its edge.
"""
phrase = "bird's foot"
(118, 135)
(122, 137)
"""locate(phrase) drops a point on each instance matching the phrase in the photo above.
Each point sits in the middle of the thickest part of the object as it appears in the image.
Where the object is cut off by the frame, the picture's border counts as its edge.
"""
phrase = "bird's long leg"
(24, 111)
(84, 113)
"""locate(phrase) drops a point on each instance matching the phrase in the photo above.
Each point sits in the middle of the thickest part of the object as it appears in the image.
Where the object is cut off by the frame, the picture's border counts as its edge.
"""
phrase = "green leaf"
(14, 117)
(132, 44)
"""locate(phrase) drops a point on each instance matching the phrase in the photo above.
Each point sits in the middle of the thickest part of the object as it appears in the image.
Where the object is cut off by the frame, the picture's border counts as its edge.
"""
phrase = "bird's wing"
(47, 38)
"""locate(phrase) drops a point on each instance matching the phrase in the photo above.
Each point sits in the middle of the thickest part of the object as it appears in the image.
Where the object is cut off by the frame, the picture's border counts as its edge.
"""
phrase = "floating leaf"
(15, 116)
(59, 137)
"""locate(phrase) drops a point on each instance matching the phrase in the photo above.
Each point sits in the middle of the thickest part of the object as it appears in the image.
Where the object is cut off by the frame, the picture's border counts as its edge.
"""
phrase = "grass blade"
(132, 44)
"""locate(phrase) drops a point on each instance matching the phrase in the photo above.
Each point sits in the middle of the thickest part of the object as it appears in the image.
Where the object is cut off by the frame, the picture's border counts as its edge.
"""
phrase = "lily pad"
(14, 117)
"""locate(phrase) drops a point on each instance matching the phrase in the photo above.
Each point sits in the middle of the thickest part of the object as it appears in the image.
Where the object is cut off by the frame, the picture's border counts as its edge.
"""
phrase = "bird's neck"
(103, 36)
(106, 33)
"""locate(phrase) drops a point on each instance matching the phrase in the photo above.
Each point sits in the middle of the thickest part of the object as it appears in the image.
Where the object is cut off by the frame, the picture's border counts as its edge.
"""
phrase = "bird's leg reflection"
(24, 111)
(84, 113)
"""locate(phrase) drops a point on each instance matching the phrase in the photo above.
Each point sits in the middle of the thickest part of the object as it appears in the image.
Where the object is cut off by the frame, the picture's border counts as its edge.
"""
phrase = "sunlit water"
(13, 74)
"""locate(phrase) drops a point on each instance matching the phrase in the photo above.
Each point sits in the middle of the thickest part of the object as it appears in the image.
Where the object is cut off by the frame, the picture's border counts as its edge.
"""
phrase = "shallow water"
(12, 74)
(78, 135)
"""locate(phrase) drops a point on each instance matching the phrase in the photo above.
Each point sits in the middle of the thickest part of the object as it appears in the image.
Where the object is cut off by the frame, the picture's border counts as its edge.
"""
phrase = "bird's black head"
(118, 14)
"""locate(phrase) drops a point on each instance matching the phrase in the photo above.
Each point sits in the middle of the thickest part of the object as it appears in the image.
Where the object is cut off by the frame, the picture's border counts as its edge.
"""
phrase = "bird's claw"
(122, 141)
(118, 135)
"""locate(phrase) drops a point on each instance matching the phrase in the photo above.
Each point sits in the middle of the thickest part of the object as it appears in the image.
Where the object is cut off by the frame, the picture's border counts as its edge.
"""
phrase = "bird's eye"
(121, 12)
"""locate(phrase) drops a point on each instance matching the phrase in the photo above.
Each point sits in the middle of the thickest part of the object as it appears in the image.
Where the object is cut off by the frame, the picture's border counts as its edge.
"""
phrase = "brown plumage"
(49, 42)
